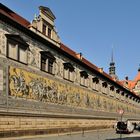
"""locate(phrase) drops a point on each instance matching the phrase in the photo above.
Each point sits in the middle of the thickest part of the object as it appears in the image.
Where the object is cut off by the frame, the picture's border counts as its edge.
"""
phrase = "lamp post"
(121, 112)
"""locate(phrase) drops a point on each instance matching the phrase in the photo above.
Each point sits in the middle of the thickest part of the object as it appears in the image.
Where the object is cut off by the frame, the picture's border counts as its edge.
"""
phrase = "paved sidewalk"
(54, 135)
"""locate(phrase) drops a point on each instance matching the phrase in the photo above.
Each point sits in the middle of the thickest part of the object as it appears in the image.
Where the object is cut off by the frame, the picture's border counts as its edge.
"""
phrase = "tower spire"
(112, 67)
(112, 55)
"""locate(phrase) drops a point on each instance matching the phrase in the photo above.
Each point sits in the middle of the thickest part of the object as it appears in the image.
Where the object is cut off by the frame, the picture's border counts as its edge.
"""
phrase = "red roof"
(74, 54)
(14, 16)
(137, 78)
(88, 63)
(128, 83)
(68, 50)
(131, 83)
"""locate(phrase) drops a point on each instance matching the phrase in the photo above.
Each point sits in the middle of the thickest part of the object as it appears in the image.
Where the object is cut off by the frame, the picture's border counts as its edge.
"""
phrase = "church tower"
(112, 68)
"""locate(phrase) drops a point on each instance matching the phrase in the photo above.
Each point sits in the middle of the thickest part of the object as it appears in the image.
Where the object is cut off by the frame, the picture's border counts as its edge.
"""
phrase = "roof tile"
(14, 16)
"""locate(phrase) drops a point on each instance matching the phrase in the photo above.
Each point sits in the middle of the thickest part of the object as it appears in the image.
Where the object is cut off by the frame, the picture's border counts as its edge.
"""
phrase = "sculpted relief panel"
(24, 84)
(34, 56)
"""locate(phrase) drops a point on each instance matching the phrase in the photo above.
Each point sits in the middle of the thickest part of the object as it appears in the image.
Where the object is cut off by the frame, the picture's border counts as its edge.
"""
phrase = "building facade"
(134, 84)
(47, 87)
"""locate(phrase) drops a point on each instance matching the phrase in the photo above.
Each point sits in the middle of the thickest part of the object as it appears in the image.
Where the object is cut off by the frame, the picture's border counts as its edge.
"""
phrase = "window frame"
(20, 44)
(44, 29)
(49, 60)
(95, 83)
(84, 78)
(49, 32)
(104, 87)
(68, 67)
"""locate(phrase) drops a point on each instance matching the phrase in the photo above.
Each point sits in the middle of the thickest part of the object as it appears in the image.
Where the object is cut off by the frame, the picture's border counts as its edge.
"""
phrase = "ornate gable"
(47, 12)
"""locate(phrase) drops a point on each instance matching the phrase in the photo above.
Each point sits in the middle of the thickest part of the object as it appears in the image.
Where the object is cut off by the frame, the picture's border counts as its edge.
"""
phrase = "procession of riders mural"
(25, 84)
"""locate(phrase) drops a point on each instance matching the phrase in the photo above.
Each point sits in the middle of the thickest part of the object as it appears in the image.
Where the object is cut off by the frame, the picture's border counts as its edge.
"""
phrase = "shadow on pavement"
(127, 138)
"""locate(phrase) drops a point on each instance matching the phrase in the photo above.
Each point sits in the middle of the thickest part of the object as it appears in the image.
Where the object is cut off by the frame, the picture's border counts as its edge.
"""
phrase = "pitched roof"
(134, 82)
(128, 83)
(137, 78)
(131, 83)
(14, 16)
(47, 11)
(88, 63)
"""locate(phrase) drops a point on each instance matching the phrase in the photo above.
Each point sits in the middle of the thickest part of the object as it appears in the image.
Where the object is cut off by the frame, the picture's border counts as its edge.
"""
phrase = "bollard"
(70, 131)
(58, 131)
(83, 132)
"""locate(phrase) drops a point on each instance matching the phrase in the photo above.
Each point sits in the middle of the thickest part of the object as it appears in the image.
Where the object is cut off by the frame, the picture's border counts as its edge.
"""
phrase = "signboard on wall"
(120, 111)
(1, 79)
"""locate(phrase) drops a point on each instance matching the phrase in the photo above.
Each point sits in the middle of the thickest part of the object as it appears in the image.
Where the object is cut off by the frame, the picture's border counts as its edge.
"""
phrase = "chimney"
(79, 56)
(126, 78)
(101, 70)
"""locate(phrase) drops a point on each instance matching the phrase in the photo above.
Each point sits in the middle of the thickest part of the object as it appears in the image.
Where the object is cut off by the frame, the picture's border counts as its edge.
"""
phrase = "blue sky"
(93, 27)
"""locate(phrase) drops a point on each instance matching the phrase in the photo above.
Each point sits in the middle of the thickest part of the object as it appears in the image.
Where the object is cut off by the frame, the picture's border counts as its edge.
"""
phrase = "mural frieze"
(24, 84)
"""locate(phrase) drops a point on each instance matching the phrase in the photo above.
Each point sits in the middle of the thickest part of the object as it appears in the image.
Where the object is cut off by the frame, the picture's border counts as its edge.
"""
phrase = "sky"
(94, 27)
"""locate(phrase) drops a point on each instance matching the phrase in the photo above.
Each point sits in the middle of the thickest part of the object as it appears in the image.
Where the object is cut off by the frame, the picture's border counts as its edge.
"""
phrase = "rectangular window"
(50, 66)
(44, 29)
(112, 90)
(49, 32)
(104, 87)
(12, 50)
(17, 51)
(84, 81)
(95, 83)
(43, 64)
(22, 55)
(47, 62)
(71, 76)
(68, 74)
(84, 78)
(68, 71)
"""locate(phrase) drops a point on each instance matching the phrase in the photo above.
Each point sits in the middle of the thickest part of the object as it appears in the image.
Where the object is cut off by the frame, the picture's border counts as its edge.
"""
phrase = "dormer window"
(49, 32)
(112, 89)
(95, 83)
(104, 87)
(44, 24)
(44, 29)
(16, 48)
(118, 91)
(47, 61)
(68, 71)
(84, 78)
(47, 29)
